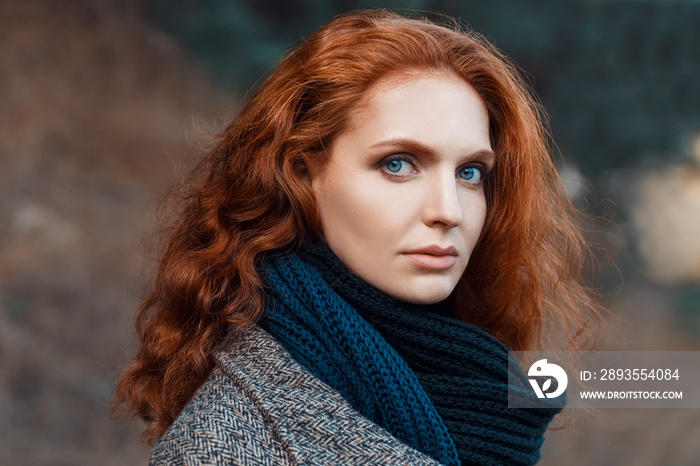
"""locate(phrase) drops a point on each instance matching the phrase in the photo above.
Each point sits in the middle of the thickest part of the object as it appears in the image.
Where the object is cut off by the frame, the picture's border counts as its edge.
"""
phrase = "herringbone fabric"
(261, 407)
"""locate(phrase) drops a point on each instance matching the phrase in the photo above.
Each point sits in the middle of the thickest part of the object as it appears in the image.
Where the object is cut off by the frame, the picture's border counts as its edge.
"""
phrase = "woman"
(356, 256)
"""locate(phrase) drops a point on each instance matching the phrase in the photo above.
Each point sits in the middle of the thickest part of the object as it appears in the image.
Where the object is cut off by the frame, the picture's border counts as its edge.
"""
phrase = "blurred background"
(102, 107)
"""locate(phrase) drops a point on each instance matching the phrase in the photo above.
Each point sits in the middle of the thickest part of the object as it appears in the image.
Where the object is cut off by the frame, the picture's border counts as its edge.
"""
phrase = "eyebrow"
(416, 146)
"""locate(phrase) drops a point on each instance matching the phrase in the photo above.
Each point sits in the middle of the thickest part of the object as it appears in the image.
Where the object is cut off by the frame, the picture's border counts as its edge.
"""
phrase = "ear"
(302, 171)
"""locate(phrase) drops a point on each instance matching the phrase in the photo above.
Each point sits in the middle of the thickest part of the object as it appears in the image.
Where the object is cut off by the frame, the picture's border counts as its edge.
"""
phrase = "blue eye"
(397, 166)
(394, 166)
(474, 175)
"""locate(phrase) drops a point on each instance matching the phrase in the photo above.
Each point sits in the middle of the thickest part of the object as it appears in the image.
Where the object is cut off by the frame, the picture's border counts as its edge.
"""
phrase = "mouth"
(433, 257)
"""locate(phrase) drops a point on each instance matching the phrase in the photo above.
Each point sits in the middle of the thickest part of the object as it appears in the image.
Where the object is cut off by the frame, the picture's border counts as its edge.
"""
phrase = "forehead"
(395, 80)
(429, 106)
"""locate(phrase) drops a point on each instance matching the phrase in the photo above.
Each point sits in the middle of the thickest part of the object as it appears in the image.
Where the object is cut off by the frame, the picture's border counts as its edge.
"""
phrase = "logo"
(542, 368)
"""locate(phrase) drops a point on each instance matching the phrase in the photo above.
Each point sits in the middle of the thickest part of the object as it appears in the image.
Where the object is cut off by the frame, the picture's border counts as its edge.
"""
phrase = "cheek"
(353, 226)
(474, 209)
(355, 210)
(480, 212)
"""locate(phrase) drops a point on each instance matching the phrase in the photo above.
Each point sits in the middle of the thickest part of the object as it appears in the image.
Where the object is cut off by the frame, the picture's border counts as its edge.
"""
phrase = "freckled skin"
(374, 210)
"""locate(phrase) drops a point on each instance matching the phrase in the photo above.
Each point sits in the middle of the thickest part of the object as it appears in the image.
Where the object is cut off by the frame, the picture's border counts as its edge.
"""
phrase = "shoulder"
(218, 426)
(222, 423)
(260, 406)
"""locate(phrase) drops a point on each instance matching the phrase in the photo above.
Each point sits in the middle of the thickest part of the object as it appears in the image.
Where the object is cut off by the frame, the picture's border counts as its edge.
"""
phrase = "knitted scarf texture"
(437, 384)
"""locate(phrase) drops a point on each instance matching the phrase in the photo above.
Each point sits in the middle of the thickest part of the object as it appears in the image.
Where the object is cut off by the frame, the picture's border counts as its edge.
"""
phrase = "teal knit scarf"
(435, 383)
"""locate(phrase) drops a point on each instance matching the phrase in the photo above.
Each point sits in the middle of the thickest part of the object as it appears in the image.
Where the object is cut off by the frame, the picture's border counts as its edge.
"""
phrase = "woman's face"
(401, 200)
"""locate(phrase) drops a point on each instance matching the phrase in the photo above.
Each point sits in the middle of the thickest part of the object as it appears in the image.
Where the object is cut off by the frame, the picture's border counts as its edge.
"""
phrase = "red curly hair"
(245, 199)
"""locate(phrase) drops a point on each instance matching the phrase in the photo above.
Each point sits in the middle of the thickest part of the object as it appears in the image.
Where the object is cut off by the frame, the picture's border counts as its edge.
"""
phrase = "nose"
(442, 202)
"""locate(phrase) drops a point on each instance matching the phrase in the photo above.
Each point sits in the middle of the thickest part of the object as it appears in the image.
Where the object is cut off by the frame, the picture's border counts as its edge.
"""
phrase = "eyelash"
(381, 165)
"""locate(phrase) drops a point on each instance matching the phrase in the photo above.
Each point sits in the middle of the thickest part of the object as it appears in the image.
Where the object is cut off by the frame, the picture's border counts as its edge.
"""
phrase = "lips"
(435, 250)
(433, 257)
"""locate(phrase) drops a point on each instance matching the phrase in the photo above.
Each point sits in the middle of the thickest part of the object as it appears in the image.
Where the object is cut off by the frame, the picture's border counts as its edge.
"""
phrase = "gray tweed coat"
(261, 407)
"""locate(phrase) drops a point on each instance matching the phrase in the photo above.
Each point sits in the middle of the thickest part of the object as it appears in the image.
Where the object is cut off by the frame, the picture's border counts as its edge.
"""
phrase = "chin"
(426, 299)
(426, 293)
